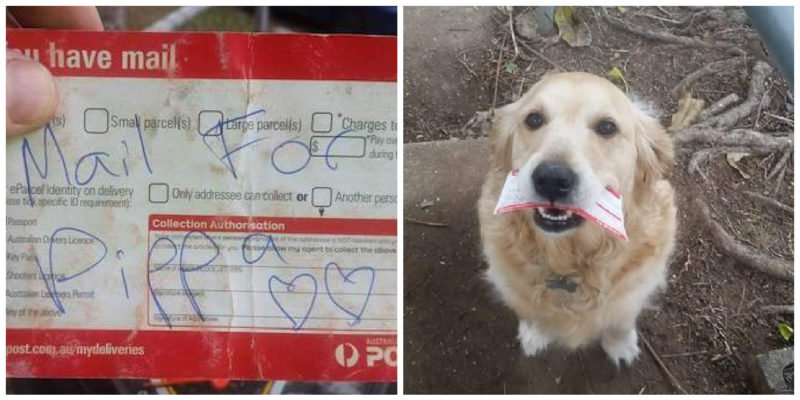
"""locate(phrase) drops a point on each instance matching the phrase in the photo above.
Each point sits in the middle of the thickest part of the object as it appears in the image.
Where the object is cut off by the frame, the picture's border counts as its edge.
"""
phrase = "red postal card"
(206, 205)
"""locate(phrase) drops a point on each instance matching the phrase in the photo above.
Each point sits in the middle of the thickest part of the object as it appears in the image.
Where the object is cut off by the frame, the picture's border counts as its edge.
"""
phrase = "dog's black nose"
(553, 180)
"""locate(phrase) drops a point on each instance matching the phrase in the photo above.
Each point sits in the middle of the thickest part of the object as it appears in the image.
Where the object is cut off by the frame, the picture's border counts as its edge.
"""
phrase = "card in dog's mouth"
(606, 211)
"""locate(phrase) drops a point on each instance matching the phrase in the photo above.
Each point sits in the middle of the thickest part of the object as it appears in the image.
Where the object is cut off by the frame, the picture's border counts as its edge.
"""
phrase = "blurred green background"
(366, 20)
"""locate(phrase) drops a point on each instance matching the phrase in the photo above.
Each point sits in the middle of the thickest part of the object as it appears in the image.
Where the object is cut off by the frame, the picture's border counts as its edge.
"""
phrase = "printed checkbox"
(159, 193)
(208, 122)
(321, 196)
(321, 122)
(95, 120)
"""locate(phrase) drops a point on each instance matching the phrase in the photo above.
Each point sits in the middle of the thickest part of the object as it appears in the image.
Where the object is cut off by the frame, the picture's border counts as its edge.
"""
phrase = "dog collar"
(561, 282)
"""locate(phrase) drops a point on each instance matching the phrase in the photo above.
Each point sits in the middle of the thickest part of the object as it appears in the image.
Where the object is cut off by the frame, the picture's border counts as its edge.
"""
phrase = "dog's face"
(572, 135)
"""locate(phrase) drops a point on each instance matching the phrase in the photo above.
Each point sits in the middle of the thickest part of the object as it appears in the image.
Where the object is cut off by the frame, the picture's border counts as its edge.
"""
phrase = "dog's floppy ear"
(655, 155)
(501, 137)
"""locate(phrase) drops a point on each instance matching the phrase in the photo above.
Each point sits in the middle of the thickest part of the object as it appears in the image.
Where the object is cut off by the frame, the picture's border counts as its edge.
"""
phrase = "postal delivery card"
(206, 205)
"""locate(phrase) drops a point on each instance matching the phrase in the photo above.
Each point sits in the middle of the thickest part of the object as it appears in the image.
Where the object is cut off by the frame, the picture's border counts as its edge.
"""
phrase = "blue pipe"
(775, 25)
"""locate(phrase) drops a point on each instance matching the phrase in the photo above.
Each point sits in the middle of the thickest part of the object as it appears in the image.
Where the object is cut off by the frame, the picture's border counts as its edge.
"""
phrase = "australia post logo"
(348, 355)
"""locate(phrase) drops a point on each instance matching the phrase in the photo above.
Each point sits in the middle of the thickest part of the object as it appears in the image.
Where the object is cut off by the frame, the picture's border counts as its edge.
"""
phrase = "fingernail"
(31, 96)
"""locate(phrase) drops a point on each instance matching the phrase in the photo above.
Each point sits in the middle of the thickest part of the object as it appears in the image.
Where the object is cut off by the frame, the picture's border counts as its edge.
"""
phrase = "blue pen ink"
(183, 269)
(270, 242)
(219, 128)
(160, 308)
(296, 142)
(120, 254)
(290, 286)
(28, 153)
(51, 291)
(328, 149)
(124, 160)
(97, 162)
(52, 288)
(347, 280)
(125, 283)
(141, 143)
(241, 147)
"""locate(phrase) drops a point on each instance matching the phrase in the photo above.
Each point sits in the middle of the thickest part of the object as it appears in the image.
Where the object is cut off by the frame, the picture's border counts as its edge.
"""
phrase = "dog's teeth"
(563, 217)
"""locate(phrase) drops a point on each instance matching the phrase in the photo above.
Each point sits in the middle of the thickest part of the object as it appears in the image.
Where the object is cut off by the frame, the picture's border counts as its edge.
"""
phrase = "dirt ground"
(708, 326)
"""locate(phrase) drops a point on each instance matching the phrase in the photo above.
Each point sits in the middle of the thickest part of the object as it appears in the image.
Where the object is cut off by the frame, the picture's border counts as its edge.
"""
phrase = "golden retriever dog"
(569, 281)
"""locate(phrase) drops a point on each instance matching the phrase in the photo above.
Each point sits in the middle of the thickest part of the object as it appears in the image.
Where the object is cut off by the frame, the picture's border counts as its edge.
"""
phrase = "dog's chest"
(560, 282)
(573, 290)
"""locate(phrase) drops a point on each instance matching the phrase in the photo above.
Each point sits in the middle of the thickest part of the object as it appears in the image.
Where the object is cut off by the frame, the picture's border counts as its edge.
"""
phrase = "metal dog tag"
(561, 282)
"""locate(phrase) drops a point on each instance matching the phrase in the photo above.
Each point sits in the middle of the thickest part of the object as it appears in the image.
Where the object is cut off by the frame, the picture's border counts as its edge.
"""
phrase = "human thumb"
(31, 95)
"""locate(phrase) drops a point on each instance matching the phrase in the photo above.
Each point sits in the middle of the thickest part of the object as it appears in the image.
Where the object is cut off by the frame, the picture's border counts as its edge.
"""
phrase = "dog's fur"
(614, 278)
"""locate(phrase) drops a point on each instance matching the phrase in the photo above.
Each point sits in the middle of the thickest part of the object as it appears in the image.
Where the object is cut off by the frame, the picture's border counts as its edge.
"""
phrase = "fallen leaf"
(689, 109)
(616, 73)
(733, 160)
(511, 67)
(425, 204)
(573, 30)
(786, 331)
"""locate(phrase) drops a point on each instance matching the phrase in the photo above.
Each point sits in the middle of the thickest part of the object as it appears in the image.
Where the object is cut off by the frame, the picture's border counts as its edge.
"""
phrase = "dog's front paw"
(533, 341)
(621, 346)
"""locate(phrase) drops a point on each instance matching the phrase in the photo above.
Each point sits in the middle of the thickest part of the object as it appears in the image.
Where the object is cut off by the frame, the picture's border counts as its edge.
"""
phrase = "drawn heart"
(290, 287)
(348, 280)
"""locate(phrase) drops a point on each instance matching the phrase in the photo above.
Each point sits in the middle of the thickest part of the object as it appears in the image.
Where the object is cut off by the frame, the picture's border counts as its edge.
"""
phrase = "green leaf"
(785, 330)
(570, 28)
(616, 73)
(622, 9)
(511, 67)
(562, 16)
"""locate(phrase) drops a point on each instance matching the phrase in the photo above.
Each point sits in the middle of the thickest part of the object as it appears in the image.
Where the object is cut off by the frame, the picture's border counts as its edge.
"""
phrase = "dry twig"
(426, 223)
(778, 117)
(661, 365)
(497, 74)
(511, 28)
(778, 309)
(672, 38)
(543, 57)
(770, 202)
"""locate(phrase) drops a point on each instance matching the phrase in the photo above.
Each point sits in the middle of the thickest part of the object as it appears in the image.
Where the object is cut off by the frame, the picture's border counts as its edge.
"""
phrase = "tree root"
(780, 164)
(711, 68)
(769, 202)
(743, 254)
(718, 107)
(761, 71)
(743, 138)
(672, 38)
(710, 132)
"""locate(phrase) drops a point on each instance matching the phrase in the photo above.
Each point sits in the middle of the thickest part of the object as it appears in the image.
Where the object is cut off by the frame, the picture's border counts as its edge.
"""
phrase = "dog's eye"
(534, 120)
(606, 127)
